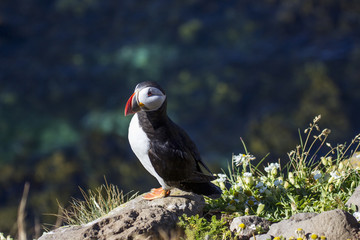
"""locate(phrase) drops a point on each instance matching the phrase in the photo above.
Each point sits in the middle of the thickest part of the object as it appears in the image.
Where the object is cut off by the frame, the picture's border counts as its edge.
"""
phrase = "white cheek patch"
(152, 102)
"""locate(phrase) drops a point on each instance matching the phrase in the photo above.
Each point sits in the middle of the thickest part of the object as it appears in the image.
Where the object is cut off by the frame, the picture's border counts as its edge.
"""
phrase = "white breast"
(140, 145)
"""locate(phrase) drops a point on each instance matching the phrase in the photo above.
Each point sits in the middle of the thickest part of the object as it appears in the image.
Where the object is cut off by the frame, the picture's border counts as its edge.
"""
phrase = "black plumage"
(173, 154)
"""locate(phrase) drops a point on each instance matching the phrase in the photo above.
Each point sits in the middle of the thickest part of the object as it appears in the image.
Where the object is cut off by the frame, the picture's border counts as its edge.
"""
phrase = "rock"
(250, 222)
(137, 218)
(355, 199)
(262, 237)
(334, 225)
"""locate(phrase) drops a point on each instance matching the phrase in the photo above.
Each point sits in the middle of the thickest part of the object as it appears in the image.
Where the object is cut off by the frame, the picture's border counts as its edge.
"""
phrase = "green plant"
(196, 227)
(307, 183)
(96, 204)
(2, 237)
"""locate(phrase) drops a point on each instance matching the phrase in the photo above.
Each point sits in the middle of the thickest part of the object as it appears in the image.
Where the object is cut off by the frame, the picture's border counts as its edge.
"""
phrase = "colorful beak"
(128, 107)
(132, 105)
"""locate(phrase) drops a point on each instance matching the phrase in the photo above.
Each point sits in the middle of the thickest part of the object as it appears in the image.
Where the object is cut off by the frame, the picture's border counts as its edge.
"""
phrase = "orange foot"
(156, 193)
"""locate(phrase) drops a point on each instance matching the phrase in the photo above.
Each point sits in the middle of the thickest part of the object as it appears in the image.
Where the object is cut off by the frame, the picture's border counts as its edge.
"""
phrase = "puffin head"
(148, 96)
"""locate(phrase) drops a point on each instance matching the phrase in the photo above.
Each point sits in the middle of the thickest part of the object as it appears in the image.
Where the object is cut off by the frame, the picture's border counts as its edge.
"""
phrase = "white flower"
(242, 159)
(317, 174)
(237, 186)
(278, 182)
(272, 166)
(263, 178)
(238, 159)
(263, 189)
(251, 201)
(2, 237)
(357, 216)
(252, 227)
(335, 175)
(221, 177)
(247, 174)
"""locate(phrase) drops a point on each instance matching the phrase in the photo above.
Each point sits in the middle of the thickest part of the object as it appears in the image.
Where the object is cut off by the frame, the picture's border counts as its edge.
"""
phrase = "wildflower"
(2, 237)
(263, 189)
(261, 186)
(263, 179)
(335, 175)
(252, 227)
(221, 177)
(221, 180)
(323, 238)
(278, 182)
(237, 186)
(249, 180)
(317, 174)
(242, 159)
(271, 167)
(251, 201)
(300, 232)
(277, 238)
(248, 192)
(242, 226)
(314, 236)
(247, 174)
(238, 159)
(357, 216)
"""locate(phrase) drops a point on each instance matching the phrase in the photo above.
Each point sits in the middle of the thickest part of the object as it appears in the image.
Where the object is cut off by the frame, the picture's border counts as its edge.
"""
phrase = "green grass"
(196, 227)
(96, 203)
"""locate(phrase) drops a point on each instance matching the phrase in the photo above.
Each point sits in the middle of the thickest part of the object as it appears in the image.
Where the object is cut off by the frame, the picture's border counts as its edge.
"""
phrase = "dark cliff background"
(252, 69)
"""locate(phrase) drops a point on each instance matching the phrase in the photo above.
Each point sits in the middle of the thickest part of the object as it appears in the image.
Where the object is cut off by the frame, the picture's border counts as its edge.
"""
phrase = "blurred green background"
(252, 69)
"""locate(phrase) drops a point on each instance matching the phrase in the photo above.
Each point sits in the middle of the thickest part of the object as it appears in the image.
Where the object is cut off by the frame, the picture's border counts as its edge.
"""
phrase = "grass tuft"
(96, 203)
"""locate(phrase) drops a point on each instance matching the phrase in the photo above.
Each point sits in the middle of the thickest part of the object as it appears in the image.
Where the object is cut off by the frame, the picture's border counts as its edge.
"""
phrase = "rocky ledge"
(136, 219)
(141, 219)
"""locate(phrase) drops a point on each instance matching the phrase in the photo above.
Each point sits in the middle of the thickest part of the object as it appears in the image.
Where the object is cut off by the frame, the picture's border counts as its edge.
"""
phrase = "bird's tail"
(204, 188)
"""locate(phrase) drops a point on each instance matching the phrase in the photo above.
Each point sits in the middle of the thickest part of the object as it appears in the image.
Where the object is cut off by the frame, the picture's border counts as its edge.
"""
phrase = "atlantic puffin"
(163, 148)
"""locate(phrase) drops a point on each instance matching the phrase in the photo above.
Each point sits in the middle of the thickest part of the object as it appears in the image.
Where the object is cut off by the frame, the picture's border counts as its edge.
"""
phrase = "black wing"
(175, 157)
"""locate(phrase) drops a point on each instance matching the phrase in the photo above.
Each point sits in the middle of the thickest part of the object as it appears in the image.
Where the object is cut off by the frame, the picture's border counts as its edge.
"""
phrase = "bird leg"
(156, 193)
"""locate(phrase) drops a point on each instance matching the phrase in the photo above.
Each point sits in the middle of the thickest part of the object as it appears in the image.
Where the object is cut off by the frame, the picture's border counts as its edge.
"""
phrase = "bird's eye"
(149, 93)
